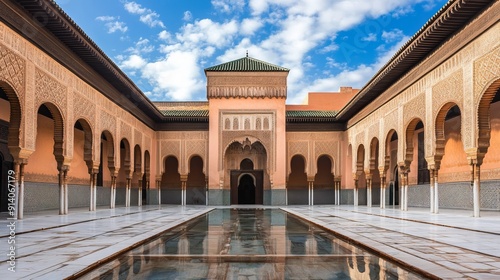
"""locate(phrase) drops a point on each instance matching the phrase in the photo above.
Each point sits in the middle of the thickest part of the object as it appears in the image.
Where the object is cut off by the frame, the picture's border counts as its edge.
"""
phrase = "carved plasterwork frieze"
(415, 108)
(138, 137)
(391, 122)
(126, 132)
(486, 70)
(298, 148)
(247, 81)
(13, 70)
(84, 108)
(246, 92)
(47, 89)
(449, 89)
(171, 148)
(108, 122)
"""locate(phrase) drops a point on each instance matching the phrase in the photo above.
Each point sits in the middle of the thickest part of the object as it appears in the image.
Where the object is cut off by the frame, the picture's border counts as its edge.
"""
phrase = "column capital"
(475, 156)
(184, 177)
(20, 155)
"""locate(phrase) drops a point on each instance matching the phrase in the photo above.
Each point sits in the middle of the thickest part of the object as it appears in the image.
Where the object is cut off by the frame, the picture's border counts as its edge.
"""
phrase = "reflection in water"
(248, 244)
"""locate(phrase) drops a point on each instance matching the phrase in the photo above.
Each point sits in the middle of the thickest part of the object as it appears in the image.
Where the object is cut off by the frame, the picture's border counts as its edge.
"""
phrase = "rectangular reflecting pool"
(248, 244)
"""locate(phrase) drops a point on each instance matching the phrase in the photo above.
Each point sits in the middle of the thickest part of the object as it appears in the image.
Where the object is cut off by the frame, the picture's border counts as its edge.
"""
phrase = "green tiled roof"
(247, 64)
(311, 114)
(185, 113)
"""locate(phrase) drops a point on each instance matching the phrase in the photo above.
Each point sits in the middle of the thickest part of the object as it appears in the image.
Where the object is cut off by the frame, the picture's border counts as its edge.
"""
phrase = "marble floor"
(449, 245)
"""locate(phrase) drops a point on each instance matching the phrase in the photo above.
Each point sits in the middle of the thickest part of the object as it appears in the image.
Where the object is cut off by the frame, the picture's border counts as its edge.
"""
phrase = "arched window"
(247, 124)
(258, 124)
(227, 124)
(235, 124)
(266, 123)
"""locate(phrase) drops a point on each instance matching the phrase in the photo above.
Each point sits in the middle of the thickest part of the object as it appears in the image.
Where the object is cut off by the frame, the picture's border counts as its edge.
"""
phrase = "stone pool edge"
(413, 263)
(89, 262)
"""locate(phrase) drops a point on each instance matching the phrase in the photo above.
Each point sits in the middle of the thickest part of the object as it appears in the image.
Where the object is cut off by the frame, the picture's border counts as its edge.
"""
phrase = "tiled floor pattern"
(451, 245)
(78, 240)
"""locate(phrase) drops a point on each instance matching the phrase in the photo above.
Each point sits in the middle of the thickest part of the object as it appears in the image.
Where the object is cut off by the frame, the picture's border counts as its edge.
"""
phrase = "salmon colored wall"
(121, 179)
(454, 160)
(42, 164)
(347, 181)
(78, 171)
(413, 175)
(106, 175)
(4, 110)
(326, 100)
(215, 105)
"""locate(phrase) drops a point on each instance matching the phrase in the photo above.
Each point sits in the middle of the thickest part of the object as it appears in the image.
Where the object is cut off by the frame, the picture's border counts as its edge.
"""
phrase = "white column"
(476, 193)
(436, 193)
(158, 185)
(369, 193)
(431, 186)
(355, 192)
(61, 193)
(127, 193)
(19, 184)
(312, 193)
(139, 193)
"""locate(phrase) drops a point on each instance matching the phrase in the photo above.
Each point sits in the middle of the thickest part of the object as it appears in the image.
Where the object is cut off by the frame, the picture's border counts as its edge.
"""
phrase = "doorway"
(246, 190)
(247, 187)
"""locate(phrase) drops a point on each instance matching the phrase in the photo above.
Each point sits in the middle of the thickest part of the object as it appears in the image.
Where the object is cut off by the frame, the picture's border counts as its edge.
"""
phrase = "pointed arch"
(15, 114)
(491, 93)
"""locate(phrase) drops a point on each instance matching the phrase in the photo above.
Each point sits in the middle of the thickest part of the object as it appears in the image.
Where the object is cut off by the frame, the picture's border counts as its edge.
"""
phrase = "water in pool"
(248, 244)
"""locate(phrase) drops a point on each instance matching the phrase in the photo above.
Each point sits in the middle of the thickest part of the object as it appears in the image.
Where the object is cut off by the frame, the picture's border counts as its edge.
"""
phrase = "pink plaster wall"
(42, 161)
(455, 159)
(4, 110)
(78, 172)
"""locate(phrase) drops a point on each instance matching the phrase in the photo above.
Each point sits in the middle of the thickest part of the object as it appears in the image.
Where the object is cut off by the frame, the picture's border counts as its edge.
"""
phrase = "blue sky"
(163, 46)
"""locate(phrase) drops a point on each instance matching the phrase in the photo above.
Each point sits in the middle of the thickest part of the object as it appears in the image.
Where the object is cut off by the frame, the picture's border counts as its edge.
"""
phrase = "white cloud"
(393, 35)
(187, 16)
(356, 78)
(133, 62)
(206, 31)
(113, 24)
(177, 77)
(372, 37)
(142, 46)
(164, 35)
(105, 18)
(282, 32)
(250, 25)
(146, 16)
(228, 6)
(134, 8)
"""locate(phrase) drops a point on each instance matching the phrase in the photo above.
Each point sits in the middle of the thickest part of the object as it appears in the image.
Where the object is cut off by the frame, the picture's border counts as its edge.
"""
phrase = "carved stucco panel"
(450, 89)
(108, 122)
(49, 90)
(486, 71)
(29, 113)
(13, 71)
(328, 148)
(138, 139)
(126, 132)
(265, 136)
(196, 147)
(391, 122)
(298, 148)
(414, 108)
(169, 148)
